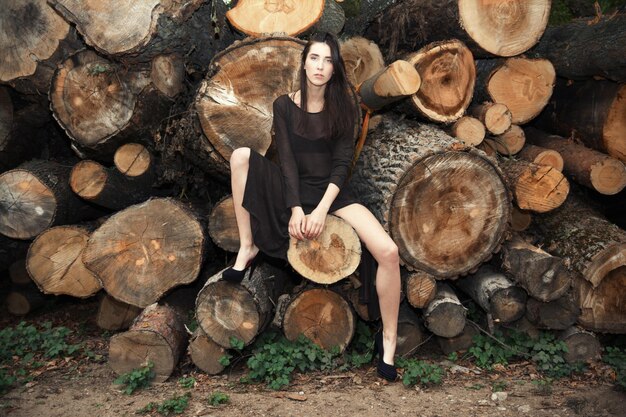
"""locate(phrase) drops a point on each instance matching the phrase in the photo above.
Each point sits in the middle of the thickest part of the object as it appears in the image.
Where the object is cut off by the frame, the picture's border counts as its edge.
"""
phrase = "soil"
(83, 387)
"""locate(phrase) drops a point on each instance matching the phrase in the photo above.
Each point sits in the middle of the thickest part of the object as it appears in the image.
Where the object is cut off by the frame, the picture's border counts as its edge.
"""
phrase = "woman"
(313, 134)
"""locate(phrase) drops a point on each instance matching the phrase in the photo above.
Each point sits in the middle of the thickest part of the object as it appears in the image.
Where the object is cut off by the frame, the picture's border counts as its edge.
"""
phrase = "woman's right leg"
(239, 165)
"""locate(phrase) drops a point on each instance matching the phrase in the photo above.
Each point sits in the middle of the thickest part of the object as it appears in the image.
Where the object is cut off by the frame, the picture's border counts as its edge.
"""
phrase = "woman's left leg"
(385, 251)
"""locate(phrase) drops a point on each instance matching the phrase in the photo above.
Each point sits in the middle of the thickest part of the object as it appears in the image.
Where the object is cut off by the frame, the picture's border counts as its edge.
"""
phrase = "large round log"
(445, 315)
(362, 58)
(157, 336)
(205, 353)
(592, 112)
(585, 48)
(448, 75)
(333, 255)
(115, 315)
(446, 206)
(223, 225)
(36, 196)
(595, 249)
(523, 85)
(145, 250)
(225, 310)
(487, 27)
(586, 166)
(495, 294)
(54, 262)
(544, 276)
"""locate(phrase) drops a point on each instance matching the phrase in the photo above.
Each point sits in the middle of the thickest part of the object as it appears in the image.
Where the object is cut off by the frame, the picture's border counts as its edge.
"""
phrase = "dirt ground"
(82, 387)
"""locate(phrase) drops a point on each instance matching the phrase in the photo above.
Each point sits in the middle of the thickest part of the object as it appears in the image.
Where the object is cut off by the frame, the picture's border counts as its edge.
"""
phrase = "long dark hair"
(339, 97)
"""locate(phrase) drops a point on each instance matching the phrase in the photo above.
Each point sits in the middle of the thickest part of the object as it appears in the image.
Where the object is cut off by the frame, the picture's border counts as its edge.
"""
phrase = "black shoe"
(235, 276)
(383, 369)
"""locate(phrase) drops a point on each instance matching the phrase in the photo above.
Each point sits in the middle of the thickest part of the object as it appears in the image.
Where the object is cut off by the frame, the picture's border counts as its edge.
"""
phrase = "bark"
(360, 13)
(257, 18)
(582, 346)
(223, 225)
(145, 250)
(495, 116)
(157, 336)
(468, 130)
(424, 189)
(115, 315)
(556, 315)
(333, 18)
(445, 315)
(411, 333)
(420, 288)
(396, 81)
(541, 156)
(332, 256)
(205, 353)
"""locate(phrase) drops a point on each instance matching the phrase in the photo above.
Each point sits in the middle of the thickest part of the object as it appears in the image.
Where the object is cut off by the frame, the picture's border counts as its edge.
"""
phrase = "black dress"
(310, 157)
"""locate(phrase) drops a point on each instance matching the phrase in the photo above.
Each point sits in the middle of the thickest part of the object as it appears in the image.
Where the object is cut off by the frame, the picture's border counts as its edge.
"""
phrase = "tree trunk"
(157, 336)
(495, 116)
(332, 256)
(596, 249)
(448, 75)
(410, 332)
(445, 205)
(544, 276)
(115, 315)
(592, 112)
(107, 187)
(582, 346)
(585, 48)
(541, 156)
(55, 263)
(555, 315)
(36, 196)
(495, 294)
(468, 130)
(255, 18)
(445, 315)
(223, 225)
(538, 188)
(590, 168)
(321, 315)
(487, 27)
(396, 81)
(523, 85)
(362, 59)
(145, 250)
(225, 310)
(23, 300)
(205, 353)
(462, 342)
(420, 288)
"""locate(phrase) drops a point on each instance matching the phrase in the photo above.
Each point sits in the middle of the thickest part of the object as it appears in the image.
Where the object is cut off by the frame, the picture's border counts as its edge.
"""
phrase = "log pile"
(153, 99)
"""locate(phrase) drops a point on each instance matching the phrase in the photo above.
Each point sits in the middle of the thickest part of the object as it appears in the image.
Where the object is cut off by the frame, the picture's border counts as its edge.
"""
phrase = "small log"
(107, 187)
(544, 276)
(321, 315)
(410, 331)
(495, 116)
(19, 274)
(259, 17)
(558, 314)
(36, 196)
(524, 85)
(134, 160)
(333, 255)
(448, 75)
(510, 142)
(592, 112)
(520, 219)
(362, 58)
(225, 310)
(582, 346)
(586, 166)
(445, 315)
(205, 353)
(459, 343)
(55, 263)
(145, 250)
(538, 188)
(541, 156)
(22, 301)
(420, 288)
(468, 130)
(495, 294)
(115, 315)
(333, 18)
(168, 74)
(223, 225)
(350, 290)
(398, 80)
(157, 335)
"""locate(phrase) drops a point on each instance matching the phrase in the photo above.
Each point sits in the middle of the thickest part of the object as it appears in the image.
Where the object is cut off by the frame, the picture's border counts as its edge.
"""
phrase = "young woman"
(314, 136)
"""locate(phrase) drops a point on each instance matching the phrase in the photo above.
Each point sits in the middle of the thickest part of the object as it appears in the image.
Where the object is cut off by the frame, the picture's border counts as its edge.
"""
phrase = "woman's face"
(318, 64)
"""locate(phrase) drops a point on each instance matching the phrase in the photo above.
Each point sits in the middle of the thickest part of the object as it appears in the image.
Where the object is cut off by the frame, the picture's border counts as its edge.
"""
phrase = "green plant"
(453, 357)
(616, 358)
(498, 386)
(488, 352)
(188, 382)
(420, 372)
(543, 386)
(136, 379)
(218, 398)
(176, 405)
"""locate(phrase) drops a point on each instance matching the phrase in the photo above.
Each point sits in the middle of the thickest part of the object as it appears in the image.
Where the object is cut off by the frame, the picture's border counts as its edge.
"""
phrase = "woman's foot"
(236, 275)
(245, 256)
(385, 367)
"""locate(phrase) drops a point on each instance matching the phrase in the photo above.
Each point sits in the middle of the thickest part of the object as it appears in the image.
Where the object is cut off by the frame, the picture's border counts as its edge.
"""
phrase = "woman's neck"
(315, 97)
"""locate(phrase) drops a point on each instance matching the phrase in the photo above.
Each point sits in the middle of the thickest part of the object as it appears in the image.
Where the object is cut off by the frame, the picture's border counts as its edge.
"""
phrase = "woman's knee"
(240, 157)
(388, 254)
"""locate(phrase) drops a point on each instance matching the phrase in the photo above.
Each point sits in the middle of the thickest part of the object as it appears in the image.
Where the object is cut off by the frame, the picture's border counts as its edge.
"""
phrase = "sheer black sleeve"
(285, 154)
(342, 157)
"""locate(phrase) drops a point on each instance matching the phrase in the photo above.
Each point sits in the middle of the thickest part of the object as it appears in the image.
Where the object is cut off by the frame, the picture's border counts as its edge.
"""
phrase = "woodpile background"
(494, 158)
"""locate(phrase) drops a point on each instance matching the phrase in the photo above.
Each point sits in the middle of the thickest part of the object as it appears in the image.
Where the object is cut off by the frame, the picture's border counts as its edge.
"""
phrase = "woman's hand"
(314, 223)
(296, 223)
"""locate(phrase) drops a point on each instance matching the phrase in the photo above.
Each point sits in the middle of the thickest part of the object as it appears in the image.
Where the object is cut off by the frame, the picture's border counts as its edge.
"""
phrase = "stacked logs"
(135, 99)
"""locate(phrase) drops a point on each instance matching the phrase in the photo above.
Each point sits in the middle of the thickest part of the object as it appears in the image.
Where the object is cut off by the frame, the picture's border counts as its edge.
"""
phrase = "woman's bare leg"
(385, 252)
(239, 164)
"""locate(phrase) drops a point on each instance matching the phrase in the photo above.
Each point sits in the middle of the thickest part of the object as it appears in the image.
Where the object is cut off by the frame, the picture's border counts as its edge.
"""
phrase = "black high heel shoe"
(236, 276)
(383, 369)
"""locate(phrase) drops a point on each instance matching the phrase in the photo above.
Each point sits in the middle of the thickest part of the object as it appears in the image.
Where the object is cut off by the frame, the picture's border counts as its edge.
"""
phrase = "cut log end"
(362, 59)
(168, 74)
(421, 288)
(88, 179)
(540, 188)
(223, 225)
(206, 354)
(608, 176)
(615, 126)
(582, 346)
(132, 159)
(469, 130)
(497, 118)
(400, 79)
